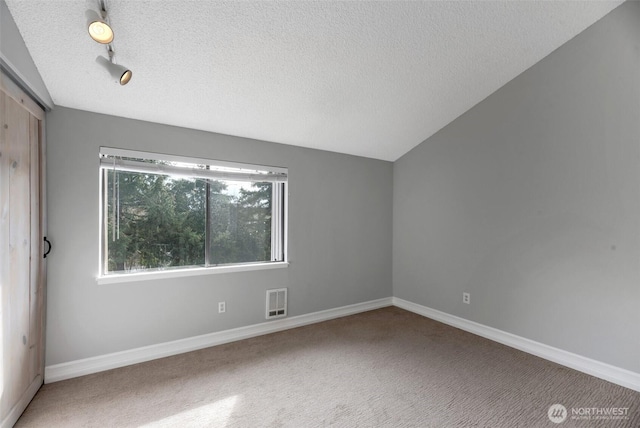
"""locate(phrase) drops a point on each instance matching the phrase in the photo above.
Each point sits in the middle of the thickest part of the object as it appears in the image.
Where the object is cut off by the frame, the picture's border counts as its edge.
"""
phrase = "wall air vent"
(276, 303)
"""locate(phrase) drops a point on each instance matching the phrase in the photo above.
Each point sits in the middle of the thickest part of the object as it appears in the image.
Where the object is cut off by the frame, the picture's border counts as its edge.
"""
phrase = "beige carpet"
(384, 368)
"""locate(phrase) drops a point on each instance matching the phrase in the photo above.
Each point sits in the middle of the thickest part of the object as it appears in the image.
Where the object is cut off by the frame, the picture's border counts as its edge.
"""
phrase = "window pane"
(240, 222)
(153, 221)
(169, 212)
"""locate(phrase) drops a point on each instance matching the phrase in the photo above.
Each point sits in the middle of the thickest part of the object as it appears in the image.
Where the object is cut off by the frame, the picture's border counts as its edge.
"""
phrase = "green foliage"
(160, 222)
(241, 226)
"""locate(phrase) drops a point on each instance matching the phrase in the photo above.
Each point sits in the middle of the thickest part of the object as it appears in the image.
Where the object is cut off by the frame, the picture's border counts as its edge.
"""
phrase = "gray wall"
(16, 58)
(531, 202)
(339, 240)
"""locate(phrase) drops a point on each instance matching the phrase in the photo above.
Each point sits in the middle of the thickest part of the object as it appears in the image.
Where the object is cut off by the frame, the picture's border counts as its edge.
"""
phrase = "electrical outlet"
(466, 298)
(222, 307)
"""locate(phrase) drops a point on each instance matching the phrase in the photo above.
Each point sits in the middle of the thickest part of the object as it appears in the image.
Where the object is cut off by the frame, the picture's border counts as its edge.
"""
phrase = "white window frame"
(223, 170)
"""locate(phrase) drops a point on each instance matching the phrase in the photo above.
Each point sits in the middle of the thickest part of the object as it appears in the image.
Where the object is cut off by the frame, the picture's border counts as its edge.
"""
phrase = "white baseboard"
(16, 411)
(100, 363)
(586, 365)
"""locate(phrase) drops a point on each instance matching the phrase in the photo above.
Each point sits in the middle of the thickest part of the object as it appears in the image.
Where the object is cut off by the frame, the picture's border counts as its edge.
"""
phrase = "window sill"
(180, 273)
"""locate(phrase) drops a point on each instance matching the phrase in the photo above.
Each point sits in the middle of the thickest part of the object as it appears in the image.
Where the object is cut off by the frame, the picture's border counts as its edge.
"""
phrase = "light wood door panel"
(17, 296)
(21, 265)
(35, 308)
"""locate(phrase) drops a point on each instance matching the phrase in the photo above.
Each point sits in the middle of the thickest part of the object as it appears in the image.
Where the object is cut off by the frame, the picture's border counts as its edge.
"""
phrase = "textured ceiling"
(367, 78)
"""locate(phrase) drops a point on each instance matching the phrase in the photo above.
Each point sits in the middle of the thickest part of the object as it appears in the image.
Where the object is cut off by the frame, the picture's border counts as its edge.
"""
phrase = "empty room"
(319, 213)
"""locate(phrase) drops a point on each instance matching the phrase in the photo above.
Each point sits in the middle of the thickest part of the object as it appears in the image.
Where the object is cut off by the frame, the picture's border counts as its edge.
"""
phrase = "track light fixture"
(120, 73)
(99, 28)
(101, 32)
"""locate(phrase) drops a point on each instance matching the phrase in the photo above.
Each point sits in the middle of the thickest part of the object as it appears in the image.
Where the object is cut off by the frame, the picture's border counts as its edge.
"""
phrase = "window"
(163, 212)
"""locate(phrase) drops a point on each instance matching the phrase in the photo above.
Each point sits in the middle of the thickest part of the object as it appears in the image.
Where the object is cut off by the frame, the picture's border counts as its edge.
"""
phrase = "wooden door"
(21, 257)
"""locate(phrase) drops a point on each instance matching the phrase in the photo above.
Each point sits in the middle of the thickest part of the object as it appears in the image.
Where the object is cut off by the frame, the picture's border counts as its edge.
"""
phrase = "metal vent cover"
(276, 303)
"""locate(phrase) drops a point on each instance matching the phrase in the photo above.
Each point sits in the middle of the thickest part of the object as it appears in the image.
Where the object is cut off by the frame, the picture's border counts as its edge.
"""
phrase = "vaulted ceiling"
(366, 78)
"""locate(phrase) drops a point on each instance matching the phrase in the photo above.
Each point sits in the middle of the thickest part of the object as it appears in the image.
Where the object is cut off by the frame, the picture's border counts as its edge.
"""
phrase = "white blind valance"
(134, 161)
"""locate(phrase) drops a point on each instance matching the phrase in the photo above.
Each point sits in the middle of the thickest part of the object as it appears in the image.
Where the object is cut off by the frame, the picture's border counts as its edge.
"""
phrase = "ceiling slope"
(365, 78)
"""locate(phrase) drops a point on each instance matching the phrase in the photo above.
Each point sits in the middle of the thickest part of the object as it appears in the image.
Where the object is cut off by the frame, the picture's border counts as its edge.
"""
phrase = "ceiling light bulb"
(126, 76)
(99, 30)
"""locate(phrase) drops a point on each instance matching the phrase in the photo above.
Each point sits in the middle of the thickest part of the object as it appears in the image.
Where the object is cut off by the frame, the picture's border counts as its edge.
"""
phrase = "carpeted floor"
(384, 368)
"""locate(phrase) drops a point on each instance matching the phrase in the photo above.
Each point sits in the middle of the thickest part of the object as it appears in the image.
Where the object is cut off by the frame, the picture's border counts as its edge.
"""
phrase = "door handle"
(46, 241)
